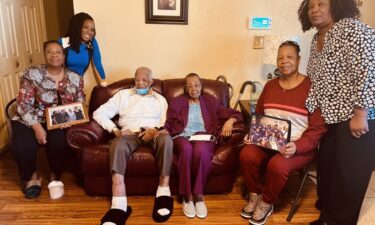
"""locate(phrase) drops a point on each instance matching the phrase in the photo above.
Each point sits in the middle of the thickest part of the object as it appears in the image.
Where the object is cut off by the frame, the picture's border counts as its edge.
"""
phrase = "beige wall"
(367, 12)
(216, 40)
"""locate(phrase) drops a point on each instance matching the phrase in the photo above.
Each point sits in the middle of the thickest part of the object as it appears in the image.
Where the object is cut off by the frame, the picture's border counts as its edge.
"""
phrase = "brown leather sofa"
(141, 177)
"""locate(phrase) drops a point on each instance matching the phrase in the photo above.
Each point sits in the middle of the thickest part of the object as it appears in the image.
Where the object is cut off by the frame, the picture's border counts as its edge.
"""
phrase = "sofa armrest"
(82, 135)
(238, 133)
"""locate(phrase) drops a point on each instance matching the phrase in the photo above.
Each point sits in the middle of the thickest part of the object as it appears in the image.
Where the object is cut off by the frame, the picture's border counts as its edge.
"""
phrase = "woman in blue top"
(81, 47)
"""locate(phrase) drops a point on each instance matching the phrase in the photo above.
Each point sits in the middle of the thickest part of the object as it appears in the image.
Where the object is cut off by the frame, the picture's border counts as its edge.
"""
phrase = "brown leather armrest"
(238, 133)
(82, 135)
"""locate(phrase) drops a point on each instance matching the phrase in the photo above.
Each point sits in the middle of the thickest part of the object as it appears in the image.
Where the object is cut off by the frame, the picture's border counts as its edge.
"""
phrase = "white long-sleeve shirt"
(135, 111)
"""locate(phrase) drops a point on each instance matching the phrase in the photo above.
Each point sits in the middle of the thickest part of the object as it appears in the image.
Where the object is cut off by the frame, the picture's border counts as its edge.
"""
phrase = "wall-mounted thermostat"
(260, 23)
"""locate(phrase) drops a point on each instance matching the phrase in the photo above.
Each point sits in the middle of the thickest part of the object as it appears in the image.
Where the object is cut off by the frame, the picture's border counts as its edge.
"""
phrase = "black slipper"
(117, 216)
(32, 192)
(162, 202)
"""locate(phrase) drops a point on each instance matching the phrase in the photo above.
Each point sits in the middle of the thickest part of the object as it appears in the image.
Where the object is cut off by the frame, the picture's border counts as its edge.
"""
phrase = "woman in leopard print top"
(342, 71)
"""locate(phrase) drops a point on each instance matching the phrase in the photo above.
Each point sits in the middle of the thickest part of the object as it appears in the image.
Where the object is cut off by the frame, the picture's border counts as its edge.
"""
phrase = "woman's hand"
(358, 123)
(40, 133)
(103, 83)
(228, 127)
(289, 150)
(246, 139)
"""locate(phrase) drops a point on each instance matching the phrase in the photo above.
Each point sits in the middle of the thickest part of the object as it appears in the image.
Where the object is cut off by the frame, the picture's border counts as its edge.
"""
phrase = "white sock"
(163, 191)
(119, 203)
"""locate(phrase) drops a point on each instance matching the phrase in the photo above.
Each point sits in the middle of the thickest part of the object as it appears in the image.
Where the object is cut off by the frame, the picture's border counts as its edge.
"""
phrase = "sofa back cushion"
(100, 95)
(175, 87)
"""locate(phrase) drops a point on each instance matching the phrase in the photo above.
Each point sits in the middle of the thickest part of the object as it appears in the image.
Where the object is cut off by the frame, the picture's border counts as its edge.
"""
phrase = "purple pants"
(194, 163)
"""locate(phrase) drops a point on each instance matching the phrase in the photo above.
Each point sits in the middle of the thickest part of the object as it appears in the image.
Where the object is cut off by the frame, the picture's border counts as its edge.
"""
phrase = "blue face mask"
(142, 91)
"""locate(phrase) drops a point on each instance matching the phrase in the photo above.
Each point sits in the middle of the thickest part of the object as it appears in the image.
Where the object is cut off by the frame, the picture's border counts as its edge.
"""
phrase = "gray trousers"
(123, 147)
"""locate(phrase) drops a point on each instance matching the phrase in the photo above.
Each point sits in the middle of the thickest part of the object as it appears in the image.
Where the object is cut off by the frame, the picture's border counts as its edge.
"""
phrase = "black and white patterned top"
(343, 73)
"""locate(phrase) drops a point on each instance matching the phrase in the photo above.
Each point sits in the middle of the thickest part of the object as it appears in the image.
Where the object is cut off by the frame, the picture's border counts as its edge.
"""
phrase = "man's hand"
(119, 133)
(358, 123)
(163, 131)
(289, 150)
(148, 134)
(40, 133)
(228, 127)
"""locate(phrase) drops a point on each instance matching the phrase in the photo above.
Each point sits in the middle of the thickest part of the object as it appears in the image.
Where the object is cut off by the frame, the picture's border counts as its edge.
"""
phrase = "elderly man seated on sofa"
(142, 114)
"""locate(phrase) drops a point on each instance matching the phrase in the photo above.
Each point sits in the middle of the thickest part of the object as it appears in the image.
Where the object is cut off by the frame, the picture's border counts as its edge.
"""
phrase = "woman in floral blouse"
(40, 87)
(342, 70)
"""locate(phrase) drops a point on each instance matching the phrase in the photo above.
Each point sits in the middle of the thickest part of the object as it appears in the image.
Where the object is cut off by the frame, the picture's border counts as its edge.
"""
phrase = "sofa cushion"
(95, 161)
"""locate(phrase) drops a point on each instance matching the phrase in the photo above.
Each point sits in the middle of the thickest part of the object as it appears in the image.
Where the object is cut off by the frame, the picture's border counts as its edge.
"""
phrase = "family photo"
(269, 132)
(69, 114)
(191, 112)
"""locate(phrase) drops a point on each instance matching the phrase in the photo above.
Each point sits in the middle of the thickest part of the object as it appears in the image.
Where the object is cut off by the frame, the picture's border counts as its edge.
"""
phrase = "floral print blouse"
(38, 91)
(343, 72)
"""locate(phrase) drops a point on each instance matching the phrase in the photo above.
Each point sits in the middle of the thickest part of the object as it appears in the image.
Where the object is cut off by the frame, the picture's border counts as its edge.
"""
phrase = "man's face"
(142, 79)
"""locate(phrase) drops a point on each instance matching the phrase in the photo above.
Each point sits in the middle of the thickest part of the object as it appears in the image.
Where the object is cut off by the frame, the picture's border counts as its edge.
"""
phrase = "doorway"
(57, 14)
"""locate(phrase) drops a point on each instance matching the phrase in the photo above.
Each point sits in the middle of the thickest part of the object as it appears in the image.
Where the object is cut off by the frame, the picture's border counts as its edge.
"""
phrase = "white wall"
(216, 40)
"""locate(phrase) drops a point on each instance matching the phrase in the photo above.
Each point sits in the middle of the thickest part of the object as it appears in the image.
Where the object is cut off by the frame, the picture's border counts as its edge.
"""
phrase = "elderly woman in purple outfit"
(187, 115)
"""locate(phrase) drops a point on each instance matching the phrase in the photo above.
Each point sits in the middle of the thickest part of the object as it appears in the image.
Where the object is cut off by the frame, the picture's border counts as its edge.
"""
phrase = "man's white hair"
(148, 70)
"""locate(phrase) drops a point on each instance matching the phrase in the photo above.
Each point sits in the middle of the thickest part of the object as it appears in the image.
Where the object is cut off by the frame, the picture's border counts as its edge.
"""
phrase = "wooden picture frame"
(69, 114)
(167, 11)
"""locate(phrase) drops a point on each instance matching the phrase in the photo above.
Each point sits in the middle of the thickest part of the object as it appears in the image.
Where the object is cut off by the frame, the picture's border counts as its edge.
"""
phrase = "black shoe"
(318, 222)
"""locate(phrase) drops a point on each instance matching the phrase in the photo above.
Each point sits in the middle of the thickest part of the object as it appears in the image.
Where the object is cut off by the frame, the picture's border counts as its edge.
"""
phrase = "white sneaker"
(56, 189)
(189, 209)
(201, 209)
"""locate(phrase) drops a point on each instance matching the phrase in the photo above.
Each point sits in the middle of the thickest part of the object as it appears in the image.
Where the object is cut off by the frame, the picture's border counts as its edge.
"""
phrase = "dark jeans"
(345, 166)
(25, 147)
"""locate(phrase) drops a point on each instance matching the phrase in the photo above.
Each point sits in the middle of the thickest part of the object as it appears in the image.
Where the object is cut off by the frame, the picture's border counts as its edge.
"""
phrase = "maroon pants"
(194, 163)
(256, 161)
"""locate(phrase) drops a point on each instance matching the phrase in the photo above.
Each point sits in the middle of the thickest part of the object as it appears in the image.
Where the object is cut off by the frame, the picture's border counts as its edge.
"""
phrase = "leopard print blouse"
(343, 72)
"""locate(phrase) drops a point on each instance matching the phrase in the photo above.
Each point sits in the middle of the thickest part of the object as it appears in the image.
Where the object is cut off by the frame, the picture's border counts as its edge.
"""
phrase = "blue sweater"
(78, 62)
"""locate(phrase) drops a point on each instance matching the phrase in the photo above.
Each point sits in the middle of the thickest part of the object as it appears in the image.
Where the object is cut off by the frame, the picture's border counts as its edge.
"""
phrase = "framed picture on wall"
(166, 11)
(69, 114)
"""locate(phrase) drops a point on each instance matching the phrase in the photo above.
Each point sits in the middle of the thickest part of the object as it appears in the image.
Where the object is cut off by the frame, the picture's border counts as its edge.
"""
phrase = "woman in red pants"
(283, 97)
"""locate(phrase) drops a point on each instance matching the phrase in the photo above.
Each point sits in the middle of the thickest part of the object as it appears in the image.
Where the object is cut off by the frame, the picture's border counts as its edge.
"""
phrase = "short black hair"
(74, 29)
(45, 44)
(339, 9)
(293, 44)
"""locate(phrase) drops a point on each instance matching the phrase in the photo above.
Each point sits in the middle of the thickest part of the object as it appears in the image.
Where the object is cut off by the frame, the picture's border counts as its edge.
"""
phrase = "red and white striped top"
(289, 104)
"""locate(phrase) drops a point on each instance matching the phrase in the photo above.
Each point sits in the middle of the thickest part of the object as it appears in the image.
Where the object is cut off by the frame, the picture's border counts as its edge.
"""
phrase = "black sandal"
(162, 202)
(117, 216)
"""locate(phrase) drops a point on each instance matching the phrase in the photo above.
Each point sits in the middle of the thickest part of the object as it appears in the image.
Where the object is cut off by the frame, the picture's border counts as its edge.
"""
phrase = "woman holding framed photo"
(284, 98)
(40, 87)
